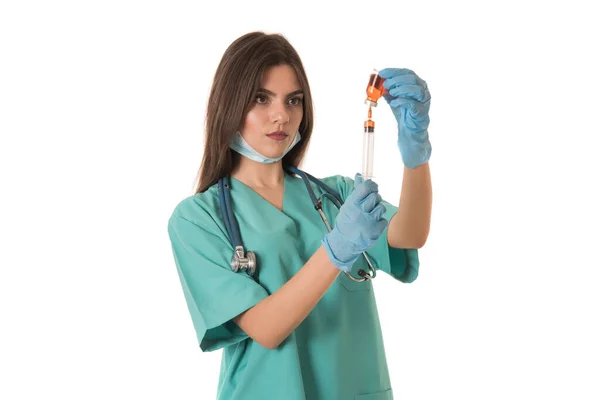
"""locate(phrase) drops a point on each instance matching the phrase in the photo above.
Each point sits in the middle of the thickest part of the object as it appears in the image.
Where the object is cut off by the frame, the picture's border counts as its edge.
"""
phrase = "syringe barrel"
(368, 150)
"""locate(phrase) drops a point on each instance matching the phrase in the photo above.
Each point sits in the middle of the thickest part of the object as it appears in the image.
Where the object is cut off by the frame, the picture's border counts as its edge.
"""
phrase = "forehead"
(280, 79)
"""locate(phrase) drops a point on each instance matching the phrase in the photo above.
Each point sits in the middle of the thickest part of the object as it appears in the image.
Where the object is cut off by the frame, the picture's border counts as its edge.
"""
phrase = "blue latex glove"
(409, 98)
(358, 225)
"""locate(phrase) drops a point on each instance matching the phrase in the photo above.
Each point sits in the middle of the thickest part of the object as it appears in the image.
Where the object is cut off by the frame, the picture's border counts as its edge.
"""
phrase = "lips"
(277, 135)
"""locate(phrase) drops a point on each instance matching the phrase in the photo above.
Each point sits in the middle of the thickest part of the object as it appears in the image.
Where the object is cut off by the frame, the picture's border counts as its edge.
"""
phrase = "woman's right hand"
(358, 225)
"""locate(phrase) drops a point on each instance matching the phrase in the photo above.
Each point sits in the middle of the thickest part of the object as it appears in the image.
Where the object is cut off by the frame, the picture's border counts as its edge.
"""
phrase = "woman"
(304, 324)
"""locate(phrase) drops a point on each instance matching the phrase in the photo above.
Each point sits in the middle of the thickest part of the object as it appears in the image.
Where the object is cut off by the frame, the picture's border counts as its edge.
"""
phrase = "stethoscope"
(246, 261)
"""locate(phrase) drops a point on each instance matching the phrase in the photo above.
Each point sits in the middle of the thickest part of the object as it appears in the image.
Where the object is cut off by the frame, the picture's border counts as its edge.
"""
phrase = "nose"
(279, 114)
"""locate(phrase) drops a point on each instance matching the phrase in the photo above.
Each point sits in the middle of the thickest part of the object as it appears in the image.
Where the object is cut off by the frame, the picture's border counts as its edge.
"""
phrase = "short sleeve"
(401, 264)
(213, 292)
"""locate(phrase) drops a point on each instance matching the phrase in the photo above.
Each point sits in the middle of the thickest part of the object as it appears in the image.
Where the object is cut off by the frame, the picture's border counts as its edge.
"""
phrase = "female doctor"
(299, 327)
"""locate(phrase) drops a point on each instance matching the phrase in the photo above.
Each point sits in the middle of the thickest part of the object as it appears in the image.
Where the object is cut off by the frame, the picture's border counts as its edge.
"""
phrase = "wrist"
(415, 152)
(333, 241)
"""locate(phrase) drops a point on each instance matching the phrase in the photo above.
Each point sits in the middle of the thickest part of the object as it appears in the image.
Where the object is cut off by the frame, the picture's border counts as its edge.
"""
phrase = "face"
(273, 120)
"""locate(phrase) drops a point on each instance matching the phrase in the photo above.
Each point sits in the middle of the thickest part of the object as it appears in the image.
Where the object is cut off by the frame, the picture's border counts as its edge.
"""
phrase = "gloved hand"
(357, 226)
(409, 98)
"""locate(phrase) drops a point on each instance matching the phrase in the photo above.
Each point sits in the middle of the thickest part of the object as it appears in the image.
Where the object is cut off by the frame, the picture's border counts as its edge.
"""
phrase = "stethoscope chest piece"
(243, 261)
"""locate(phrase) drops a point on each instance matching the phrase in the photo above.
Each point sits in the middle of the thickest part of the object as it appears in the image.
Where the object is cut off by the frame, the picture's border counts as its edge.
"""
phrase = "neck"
(257, 175)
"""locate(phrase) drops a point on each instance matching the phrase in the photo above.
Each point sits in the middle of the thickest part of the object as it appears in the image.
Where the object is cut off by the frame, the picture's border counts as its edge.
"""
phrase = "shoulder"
(344, 185)
(201, 209)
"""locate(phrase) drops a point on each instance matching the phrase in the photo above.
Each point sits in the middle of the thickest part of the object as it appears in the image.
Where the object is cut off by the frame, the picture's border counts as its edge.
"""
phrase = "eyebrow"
(265, 91)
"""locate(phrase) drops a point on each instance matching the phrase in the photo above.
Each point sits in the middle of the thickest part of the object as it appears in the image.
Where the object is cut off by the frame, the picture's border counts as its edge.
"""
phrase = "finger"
(379, 229)
(401, 102)
(369, 202)
(401, 80)
(377, 212)
(387, 97)
(390, 72)
(415, 92)
(363, 190)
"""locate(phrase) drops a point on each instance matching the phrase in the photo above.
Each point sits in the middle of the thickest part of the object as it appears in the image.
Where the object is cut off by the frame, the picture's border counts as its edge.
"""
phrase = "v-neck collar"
(254, 193)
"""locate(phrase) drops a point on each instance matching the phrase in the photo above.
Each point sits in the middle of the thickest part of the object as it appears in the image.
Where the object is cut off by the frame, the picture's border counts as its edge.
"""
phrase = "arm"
(358, 225)
(409, 228)
(272, 320)
(409, 99)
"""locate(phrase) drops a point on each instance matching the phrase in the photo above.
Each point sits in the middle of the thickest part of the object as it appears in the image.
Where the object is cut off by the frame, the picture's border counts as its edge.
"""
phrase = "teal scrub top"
(337, 352)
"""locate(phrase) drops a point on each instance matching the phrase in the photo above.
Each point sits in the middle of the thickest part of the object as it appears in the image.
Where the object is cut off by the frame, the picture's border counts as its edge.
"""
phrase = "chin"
(272, 155)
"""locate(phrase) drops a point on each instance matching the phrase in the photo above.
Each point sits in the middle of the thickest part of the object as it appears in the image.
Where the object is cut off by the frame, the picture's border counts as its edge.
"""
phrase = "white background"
(101, 114)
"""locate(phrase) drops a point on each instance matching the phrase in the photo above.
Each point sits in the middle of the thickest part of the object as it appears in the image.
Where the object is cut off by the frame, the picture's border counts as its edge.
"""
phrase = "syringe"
(368, 147)
(375, 90)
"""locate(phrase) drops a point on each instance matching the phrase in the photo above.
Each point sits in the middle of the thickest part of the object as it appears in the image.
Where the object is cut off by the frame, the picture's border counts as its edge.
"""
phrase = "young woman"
(290, 302)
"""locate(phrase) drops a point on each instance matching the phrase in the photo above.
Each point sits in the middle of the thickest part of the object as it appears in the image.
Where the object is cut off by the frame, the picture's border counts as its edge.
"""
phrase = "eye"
(294, 101)
(261, 99)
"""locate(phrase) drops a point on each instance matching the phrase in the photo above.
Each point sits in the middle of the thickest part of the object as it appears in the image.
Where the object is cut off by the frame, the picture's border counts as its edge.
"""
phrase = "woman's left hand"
(409, 98)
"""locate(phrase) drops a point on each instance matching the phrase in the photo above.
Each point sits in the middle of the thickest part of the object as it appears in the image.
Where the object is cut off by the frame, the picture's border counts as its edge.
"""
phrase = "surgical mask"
(239, 145)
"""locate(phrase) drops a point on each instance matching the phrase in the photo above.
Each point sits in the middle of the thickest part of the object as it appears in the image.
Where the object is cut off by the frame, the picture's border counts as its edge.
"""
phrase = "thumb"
(358, 179)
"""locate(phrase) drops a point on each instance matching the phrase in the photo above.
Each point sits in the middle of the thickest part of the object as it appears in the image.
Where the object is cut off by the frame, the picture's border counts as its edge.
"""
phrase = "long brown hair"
(235, 85)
